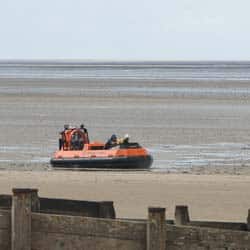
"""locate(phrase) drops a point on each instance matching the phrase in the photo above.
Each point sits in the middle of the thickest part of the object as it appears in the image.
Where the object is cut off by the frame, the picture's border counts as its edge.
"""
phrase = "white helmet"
(126, 136)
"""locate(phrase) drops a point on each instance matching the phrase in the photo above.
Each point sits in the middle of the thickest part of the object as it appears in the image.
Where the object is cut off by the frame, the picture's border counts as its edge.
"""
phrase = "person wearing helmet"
(62, 139)
(82, 127)
(123, 140)
(112, 142)
(126, 139)
(86, 134)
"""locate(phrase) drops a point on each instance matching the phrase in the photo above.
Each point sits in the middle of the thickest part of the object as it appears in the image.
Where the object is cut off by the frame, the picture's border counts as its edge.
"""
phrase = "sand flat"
(186, 124)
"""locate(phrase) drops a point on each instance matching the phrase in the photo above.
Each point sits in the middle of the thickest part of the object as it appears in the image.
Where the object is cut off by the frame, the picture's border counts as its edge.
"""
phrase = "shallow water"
(129, 90)
(166, 157)
(126, 70)
(204, 155)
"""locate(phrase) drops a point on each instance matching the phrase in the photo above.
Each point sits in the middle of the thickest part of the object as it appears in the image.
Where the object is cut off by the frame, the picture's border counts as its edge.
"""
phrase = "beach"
(209, 197)
(197, 131)
(205, 129)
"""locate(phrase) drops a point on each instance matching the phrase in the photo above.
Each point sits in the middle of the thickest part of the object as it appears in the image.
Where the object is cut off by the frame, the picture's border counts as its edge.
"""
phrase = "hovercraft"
(76, 151)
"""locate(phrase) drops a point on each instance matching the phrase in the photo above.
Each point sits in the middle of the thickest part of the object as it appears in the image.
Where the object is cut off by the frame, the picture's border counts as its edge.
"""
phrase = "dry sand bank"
(218, 197)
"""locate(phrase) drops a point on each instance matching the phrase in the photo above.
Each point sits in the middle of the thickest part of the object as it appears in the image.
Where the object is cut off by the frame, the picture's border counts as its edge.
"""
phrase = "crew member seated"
(112, 142)
(123, 140)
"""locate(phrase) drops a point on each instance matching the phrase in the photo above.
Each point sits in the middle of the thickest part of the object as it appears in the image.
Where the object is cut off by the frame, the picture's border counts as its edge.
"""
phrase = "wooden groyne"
(29, 222)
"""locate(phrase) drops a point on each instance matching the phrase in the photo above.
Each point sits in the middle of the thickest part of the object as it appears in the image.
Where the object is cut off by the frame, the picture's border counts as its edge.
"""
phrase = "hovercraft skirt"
(136, 162)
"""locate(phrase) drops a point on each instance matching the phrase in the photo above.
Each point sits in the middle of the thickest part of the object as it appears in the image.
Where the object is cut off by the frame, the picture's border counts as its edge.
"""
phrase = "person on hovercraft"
(62, 139)
(77, 141)
(123, 140)
(112, 142)
(82, 127)
(86, 134)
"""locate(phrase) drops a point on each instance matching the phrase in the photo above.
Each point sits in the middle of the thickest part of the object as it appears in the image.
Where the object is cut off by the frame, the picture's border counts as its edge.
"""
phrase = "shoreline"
(233, 170)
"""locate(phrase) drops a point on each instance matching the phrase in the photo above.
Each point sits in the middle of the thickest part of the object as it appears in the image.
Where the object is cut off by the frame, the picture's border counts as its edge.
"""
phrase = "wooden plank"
(178, 237)
(104, 209)
(219, 225)
(5, 201)
(22, 204)
(54, 241)
(86, 226)
(76, 206)
(156, 229)
(181, 215)
(5, 219)
(248, 220)
(5, 239)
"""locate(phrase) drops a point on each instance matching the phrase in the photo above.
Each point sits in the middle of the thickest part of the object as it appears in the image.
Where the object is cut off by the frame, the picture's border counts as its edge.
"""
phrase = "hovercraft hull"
(131, 162)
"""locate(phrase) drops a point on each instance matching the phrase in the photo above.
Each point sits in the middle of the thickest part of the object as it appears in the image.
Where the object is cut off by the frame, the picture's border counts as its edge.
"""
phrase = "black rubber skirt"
(138, 162)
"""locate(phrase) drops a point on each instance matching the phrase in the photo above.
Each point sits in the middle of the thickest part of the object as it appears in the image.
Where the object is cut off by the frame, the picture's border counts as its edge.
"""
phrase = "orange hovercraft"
(76, 151)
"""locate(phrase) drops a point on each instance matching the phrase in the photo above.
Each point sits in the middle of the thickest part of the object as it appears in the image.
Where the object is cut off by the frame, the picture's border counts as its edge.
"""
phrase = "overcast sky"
(125, 30)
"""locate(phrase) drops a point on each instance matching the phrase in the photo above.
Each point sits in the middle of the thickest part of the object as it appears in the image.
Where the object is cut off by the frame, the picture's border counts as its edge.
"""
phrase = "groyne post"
(248, 220)
(156, 229)
(181, 215)
(24, 201)
(106, 210)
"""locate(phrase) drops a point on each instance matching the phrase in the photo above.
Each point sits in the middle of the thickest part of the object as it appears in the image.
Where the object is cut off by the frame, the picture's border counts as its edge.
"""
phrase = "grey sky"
(131, 29)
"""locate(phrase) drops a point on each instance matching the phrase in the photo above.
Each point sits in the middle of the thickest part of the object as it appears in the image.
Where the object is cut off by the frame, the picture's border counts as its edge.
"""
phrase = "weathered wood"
(61, 232)
(181, 215)
(55, 241)
(248, 220)
(5, 241)
(5, 226)
(106, 209)
(64, 205)
(78, 208)
(5, 201)
(97, 209)
(35, 202)
(189, 238)
(219, 225)
(22, 205)
(85, 226)
(156, 229)
(5, 219)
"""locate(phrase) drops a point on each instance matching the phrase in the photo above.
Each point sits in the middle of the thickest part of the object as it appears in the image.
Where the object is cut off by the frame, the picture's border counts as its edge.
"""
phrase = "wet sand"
(184, 130)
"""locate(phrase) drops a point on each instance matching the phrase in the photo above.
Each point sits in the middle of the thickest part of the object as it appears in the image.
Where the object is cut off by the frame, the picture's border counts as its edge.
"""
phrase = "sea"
(161, 70)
